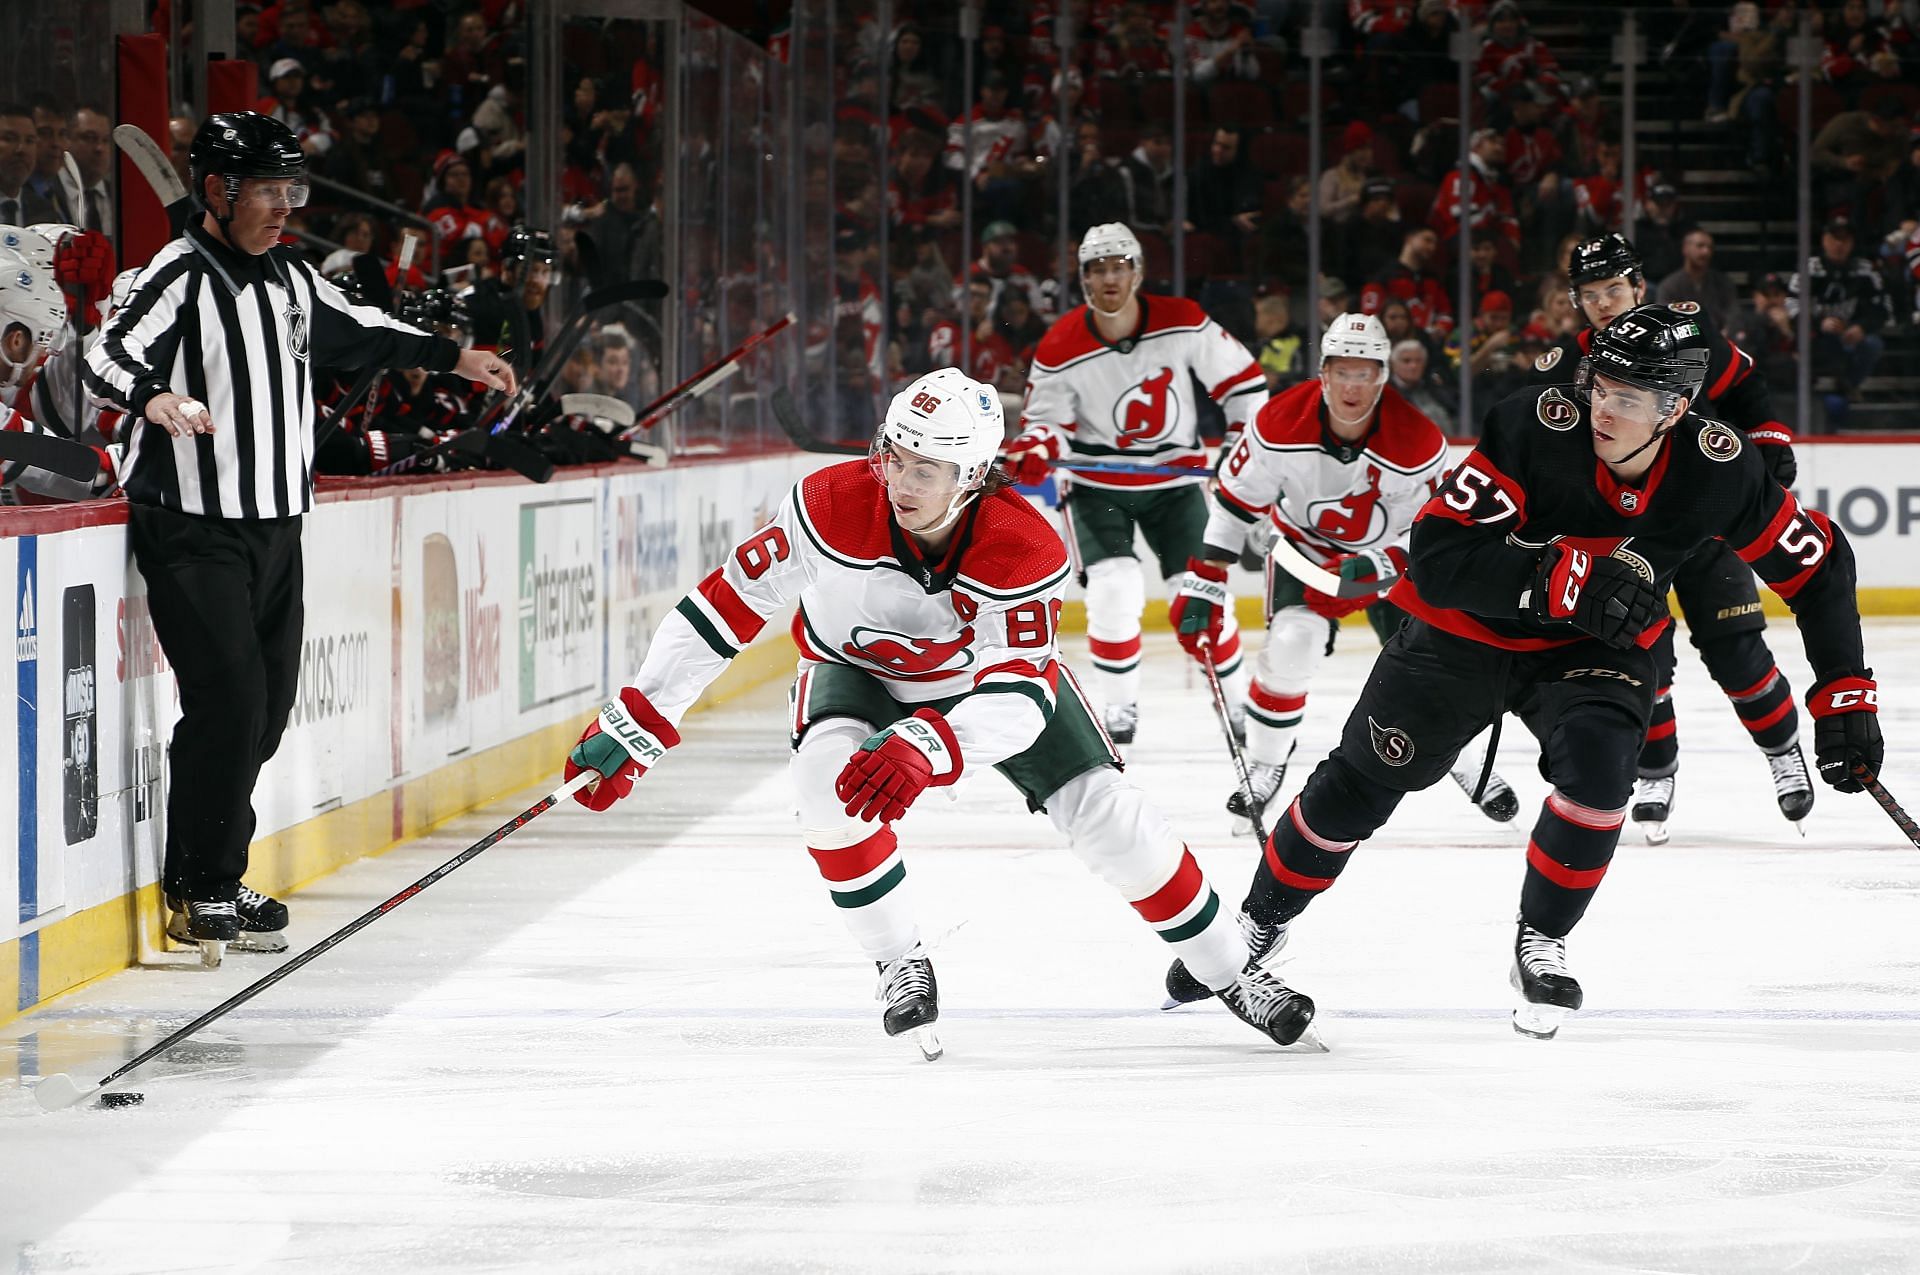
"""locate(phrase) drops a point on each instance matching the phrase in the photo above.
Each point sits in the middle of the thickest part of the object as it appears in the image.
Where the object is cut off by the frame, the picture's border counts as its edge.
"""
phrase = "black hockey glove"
(1846, 728)
(1775, 444)
(1601, 596)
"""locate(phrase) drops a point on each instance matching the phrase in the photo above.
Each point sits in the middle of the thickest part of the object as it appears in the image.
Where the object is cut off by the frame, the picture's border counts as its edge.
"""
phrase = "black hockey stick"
(560, 349)
(787, 412)
(373, 282)
(60, 1091)
(1233, 745)
(152, 162)
(707, 377)
(1895, 811)
(56, 455)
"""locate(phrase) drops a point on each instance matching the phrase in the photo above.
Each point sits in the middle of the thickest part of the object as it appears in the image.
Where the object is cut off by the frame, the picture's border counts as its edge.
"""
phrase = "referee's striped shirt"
(241, 334)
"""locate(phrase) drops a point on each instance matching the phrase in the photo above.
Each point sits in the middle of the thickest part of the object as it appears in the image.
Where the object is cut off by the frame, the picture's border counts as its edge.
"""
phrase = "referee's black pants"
(226, 604)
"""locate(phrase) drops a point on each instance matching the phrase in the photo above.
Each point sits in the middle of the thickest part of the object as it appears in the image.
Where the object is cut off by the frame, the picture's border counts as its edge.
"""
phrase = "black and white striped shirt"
(240, 334)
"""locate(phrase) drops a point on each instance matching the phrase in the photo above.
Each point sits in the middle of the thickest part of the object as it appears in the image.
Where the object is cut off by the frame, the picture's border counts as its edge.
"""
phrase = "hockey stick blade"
(152, 163)
(60, 456)
(60, 1091)
(1321, 580)
(787, 412)
(520, 456)
(603, 406)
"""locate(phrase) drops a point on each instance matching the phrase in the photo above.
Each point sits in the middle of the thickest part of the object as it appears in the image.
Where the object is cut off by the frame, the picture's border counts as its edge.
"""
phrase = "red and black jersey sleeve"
(1807, 560)
(1461, 557)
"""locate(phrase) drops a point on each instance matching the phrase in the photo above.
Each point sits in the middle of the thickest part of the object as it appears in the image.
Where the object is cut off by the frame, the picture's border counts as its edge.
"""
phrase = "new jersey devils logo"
(911, 658)
(1148, 412)
(1353, 519)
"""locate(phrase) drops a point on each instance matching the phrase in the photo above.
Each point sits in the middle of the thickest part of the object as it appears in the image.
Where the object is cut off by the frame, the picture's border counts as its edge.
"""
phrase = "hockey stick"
(1895, 811)
(787, 413)
(560, 349)
(60, 1091)
(56, 455)
(152, 162)
(603, 406)
(366, 268)
(709, 376)
(1225, 715)
(1321, 580)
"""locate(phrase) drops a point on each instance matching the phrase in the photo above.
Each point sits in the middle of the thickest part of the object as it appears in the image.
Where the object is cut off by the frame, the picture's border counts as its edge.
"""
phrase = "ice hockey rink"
(643, 1042)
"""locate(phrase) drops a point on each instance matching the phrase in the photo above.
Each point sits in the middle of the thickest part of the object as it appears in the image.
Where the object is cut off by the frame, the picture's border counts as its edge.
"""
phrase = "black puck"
(122, 1099)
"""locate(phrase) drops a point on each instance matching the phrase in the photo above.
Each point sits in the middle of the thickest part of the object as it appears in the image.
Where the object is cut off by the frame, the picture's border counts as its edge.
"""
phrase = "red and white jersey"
(980, 623)
(1329, 499)
(1133, 402)
(997, 139)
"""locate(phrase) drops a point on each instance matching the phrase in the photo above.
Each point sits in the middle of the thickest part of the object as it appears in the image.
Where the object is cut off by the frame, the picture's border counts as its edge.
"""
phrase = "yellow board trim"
(93, 944)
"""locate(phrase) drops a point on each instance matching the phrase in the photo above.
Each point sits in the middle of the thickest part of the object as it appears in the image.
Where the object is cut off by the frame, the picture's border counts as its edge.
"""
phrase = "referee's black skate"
(1262, 942)
(1548, 992)
(912, 1000)
(210, 925)
(1269, 1006)
(263, 922)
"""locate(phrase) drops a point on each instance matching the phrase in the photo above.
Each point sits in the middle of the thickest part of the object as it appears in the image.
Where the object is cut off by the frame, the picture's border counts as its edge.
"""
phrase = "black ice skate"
(1497, 803)
(1792, 786)
(1265, 780)
(1121, 721)
(1548, 993)
(263, 922)
(1262, 941)
(1653, 806)
(1270, 1007)
(912, 998)
(211, 925)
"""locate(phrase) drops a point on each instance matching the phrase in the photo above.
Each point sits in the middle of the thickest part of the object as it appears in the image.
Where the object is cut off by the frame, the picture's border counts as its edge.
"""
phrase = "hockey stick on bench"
(50, 452)
(560, 349)
(60, 1091)
(152, 162)
(707, 377)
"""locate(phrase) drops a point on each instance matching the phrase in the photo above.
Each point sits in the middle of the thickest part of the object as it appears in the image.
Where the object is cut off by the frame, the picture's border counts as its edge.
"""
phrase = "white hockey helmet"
(944, 416)
(1356, 336)
(30, 298)
(1110, 239)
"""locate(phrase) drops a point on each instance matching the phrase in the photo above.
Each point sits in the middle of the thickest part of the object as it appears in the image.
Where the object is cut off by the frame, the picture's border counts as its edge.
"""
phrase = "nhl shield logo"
(1629, 500)
(1548, 361)
(1556, 410)
(297, 331)
(1718, 442)
(1390, 744)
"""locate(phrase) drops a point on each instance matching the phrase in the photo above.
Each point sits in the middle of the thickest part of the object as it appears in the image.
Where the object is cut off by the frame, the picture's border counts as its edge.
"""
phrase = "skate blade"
(1539, 1021)
(259, 942)
(1656, 832)
(212, 952)
(927, 1041)
(1310, 1041)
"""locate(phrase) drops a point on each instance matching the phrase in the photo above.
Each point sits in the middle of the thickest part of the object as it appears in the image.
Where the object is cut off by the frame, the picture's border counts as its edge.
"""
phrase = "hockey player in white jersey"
(1338, 466)
(928, 594)
(1112, 381)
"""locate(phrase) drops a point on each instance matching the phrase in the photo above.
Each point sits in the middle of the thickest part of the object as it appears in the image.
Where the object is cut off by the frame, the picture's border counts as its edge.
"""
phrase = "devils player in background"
(1112, 381)
(1537, 585)
(1715, 588)
(928, 594)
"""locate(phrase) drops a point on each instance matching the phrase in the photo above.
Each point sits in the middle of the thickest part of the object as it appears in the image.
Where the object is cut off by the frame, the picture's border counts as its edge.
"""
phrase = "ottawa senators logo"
(1147, 413)
(1547, 362)
(1556, 410)
(910, 658)
(1616, 547)
(1684, 307)
(1718, 442)
(1390, 744)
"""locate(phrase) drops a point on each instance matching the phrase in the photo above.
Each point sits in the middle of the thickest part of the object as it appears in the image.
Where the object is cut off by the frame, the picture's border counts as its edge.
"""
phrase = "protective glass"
(914, 477)
(274, 192)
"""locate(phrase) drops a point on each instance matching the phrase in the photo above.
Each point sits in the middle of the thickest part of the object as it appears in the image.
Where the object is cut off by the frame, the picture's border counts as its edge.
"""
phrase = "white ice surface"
(642, 1041)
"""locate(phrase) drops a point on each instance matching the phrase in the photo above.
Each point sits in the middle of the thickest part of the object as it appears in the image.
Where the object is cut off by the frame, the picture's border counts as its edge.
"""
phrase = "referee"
(213, 355)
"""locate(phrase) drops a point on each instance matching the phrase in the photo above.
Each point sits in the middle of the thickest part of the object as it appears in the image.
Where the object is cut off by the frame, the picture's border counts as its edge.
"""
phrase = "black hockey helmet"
(241, 144)
(1609, 257)
(527, 243)
(434, 310)
(1652, 346)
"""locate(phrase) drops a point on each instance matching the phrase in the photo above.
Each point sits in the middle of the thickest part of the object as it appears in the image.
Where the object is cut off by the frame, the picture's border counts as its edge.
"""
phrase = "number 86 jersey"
(1534, 480)
(978, 622)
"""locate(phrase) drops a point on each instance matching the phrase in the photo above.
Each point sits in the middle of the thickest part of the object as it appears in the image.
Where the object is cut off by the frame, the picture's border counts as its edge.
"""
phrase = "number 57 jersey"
(978, 622)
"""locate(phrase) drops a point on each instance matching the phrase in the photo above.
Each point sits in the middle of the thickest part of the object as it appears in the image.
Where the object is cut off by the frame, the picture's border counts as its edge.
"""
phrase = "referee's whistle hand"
(487, 368)
(179, 414)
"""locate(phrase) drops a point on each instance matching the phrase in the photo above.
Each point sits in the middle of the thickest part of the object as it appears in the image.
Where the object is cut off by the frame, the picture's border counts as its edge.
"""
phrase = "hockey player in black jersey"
(1716, 591)
(1537, 586)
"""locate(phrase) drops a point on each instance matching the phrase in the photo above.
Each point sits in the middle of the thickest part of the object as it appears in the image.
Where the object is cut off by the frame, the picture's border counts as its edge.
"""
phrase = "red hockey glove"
(1029, 458)
(621, 743)
(1602, 596)
(1385, 566)
(1846, 728)
(1199, 609)
(83, 264)
(896, 765)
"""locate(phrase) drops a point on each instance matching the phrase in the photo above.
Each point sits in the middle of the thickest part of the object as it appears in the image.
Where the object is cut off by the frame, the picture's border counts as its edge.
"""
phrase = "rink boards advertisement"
(442, 621)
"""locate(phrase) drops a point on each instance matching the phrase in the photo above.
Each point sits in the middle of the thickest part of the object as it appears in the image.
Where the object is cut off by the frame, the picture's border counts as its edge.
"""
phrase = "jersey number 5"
(1802, 541)
(761, 552)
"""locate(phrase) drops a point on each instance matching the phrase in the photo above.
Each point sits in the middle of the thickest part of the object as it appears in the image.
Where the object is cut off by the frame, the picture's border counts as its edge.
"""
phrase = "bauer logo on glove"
(628, 738)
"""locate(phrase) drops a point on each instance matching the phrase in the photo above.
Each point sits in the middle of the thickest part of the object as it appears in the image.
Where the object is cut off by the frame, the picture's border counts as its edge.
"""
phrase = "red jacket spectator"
(1479, 201)
(1381, 18)
(1511, 56)
(1412, 280)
